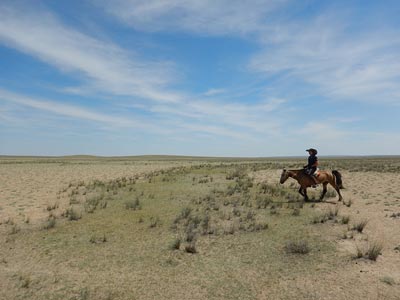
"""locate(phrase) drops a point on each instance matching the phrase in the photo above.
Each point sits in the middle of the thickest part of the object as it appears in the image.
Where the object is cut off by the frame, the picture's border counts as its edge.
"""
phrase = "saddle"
(315, 174)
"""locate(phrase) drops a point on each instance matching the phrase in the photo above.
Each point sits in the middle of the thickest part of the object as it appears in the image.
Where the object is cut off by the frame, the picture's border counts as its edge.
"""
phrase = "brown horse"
(334, 178)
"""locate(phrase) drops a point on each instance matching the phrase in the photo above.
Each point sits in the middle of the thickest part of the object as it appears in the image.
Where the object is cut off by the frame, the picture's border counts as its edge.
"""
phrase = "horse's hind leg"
(301, 191)
(340, 195)
(337, 190)
(324, 189)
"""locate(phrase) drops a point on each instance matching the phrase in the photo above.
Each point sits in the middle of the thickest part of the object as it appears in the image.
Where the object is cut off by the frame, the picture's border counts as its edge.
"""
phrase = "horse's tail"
(338, 179)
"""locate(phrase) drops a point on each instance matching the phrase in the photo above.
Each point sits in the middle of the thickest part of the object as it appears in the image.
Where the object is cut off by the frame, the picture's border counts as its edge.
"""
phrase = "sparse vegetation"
(231, 215)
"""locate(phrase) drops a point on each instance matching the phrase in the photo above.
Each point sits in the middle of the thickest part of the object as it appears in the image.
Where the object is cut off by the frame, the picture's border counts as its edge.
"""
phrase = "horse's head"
(284, 176)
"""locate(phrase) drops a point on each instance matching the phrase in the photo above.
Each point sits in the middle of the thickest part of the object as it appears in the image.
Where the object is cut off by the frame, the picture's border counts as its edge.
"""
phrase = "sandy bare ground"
(27, 188)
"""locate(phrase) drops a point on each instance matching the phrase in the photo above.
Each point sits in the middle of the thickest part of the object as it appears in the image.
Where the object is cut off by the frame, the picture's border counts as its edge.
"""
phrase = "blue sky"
(199, 77)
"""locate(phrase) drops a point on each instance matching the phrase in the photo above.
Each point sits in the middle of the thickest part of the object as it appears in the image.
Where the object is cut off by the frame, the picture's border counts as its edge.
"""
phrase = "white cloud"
(104, 65)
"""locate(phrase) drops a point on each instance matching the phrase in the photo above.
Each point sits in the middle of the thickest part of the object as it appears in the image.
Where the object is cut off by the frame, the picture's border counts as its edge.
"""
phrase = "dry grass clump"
(332, 213)
(360, 225)
(133, 204)
(191, 247)
(175, 244)
(72, 214)
(345, 219)
(24, 281)
(297, 247)
(50, 223)
(388, 280)
(14, 229)
(372, 251)
(330, 194)
(98, 239)
(154, 222)
(51, 207)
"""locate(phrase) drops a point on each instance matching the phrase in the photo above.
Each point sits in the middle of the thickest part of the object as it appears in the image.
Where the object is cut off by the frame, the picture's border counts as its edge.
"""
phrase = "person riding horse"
(312, 165)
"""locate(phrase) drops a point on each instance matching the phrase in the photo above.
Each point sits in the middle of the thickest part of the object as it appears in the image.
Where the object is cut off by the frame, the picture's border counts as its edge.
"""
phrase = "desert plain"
(160, 227)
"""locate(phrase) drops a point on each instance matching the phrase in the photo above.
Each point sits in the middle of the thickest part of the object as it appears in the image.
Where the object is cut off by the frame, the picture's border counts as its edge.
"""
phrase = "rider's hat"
(312, 150)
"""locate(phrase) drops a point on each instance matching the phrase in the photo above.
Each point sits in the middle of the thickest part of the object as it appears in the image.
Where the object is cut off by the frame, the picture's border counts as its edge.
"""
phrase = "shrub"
(319, 218)
(330, 194)
(191, 248)
(72, 214)
(297, 247)
(185, 213)
(25, 281)
(51, 207)
(345, 219)
(154, 222)
(95, 239)
(263, 202)
(332, 213)
(359, 252)
(133, 204)
(50, 223)
(175, 244)
(190, 233)
(296, 212)
(14, 229)
(205, 224)
(388, 280)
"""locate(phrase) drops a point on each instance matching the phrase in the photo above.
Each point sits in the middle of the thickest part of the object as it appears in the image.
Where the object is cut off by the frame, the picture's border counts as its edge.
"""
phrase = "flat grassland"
(196, 228)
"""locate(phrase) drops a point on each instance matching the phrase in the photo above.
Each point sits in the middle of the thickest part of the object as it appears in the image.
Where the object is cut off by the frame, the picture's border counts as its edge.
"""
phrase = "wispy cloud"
(103, 65)
(361, 66)
(205, 17)
(67, 110)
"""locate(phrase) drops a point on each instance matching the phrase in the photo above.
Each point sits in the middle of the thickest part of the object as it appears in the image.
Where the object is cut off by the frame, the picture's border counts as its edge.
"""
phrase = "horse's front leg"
(305, 194)
(324, 190)
(301, 191)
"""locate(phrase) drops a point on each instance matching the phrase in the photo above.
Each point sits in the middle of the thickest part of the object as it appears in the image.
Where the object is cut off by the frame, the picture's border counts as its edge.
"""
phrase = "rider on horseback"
(312, 165)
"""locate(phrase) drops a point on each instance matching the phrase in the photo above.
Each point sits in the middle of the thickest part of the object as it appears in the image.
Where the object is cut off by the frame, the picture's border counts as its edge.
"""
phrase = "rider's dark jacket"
(312, 161)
